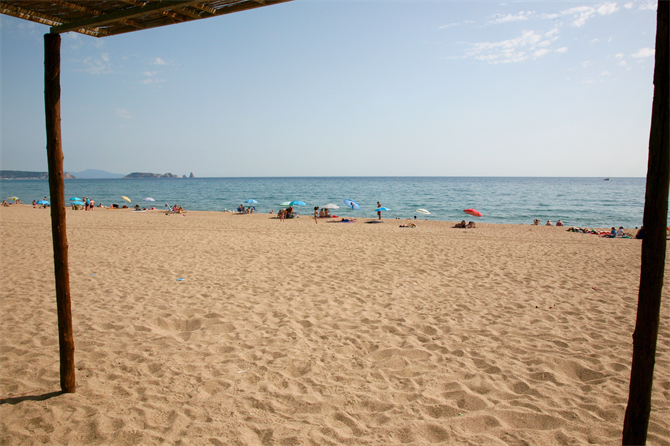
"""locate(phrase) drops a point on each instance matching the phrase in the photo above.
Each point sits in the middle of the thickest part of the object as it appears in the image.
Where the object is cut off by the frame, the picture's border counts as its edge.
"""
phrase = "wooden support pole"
(655, 219)
(57, 190)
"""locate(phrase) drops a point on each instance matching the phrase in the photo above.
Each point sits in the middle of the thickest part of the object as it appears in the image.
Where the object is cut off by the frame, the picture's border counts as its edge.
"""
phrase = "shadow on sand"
(18, 399)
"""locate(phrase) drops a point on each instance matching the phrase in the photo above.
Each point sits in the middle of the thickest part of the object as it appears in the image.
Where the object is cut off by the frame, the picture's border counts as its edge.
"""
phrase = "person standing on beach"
(379, 213)
(316, 214)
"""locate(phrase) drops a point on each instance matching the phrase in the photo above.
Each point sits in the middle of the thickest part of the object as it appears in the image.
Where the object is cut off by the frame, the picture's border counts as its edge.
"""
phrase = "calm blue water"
(589, 202)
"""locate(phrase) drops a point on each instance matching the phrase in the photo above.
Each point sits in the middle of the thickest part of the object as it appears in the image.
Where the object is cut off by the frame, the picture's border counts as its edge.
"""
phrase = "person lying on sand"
(471, 225)
(409, 225)
(459, 225)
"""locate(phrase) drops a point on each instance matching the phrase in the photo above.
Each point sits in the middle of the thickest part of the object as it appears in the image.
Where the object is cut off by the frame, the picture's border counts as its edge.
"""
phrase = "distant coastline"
(25, 175)
(156, 175)
(87, 174)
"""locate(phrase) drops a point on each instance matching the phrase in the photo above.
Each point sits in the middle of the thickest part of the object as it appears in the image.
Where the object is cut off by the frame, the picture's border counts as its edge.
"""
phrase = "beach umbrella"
(352, 204)
(297, 203)
(75, 199)
(125, 198)
(285, 204)
(251, 201)
(473, 212)
(13, 198)
(80, 203)
(423, 211)
(383, 208)
(330, 206)
(42, 202)
(148, 199)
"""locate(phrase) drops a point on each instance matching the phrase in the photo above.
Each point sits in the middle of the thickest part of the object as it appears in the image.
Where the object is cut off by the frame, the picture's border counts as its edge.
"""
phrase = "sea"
(583, 202)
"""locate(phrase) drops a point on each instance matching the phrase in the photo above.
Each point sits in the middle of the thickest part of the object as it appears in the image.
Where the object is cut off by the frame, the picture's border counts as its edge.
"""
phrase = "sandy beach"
(216, 329)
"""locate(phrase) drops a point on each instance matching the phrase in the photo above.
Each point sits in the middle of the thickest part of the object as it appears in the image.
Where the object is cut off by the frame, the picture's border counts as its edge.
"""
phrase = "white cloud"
(644, 52)
(622, 63)
(583, 13)
(449, 25)
(562, 50)
(123, 113)
(522, 15)
(580, 14)
(628, 5)
(551, 33)
(605, 73)
(98, 65)
(158, 61)
(649, 5)
(150, 73)
(511, 50)
(608, 8)
(619, 56)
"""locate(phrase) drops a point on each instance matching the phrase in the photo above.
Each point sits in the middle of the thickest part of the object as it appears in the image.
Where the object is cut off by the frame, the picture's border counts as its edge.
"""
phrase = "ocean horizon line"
(348, 176)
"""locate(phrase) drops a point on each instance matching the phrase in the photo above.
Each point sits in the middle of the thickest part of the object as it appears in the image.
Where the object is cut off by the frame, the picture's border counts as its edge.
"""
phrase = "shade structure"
(297, 203)
(330, 206)
(423, 211)
(100, 18)
(250, 201)
(148, 199)
(383, 208)
(473, 212)
(125, 198)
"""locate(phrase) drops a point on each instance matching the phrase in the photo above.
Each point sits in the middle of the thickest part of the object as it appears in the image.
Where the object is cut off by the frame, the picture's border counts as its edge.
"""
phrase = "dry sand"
(330, 333)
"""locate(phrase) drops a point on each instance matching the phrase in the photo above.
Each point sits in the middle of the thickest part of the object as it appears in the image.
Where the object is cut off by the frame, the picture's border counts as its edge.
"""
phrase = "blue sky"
(339, 88)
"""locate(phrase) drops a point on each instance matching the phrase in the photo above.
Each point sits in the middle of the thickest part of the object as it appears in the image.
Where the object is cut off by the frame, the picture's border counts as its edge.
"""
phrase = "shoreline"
(358, 219)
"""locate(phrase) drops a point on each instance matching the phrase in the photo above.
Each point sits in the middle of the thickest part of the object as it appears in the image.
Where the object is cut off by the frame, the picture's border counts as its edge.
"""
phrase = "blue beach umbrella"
(251, 201)
(75, 199)
(80, 203)
(352, 204)
(382, 209)
(42, 202)
(297, 203)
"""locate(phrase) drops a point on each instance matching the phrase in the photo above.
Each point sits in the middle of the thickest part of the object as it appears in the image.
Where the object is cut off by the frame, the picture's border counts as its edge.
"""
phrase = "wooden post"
(636, 420)
(57, 190)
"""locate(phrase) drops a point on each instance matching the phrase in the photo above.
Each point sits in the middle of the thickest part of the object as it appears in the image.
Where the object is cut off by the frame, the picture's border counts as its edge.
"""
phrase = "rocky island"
(150, 175)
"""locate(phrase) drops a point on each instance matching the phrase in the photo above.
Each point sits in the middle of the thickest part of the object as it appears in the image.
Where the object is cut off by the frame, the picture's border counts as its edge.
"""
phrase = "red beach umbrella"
(473, 212)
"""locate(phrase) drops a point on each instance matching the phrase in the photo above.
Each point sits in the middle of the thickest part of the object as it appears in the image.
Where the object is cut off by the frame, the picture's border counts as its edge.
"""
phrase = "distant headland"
(86, 175)
(24, 175)
(156, 175)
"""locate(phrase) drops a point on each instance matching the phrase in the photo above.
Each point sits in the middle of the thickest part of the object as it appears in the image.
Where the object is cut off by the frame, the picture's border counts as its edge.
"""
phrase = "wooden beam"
(205, 8)
(185, 11)
(125, 14)
(57, 190)
(43, 19)
(654, 242)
